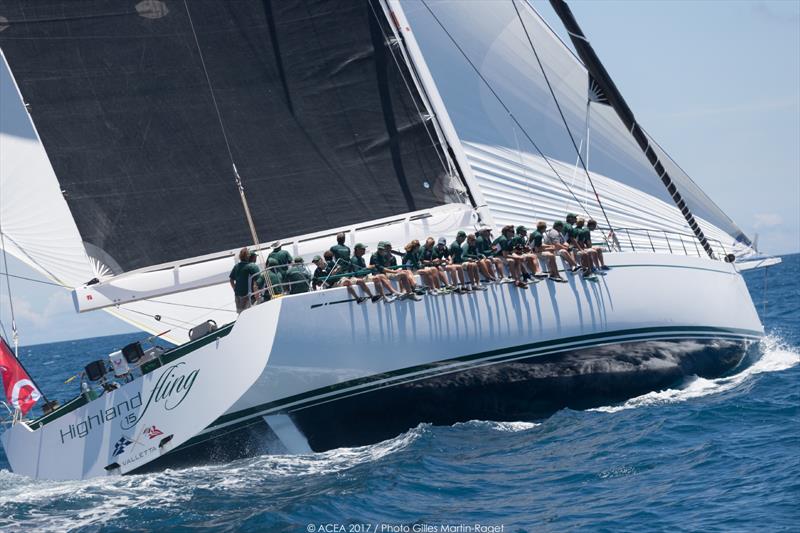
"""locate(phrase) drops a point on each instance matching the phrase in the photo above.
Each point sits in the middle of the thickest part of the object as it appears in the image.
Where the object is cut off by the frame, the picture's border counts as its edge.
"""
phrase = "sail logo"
(124, 409)
(152, 432)
(170, 391)
(119, 446)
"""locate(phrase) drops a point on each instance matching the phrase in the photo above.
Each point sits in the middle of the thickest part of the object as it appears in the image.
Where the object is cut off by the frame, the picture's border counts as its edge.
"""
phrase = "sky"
(716, 83)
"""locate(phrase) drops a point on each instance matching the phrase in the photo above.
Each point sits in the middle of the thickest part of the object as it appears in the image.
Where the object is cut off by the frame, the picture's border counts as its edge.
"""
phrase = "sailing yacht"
(143, 143)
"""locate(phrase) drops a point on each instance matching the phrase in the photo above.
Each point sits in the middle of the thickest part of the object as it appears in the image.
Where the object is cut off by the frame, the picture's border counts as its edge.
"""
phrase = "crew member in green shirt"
(283, 258)
(537, 245)
(453, 269)
(584, 241)
(568, 230)
(405, 278)
(521, 252)
(483, 241)
(474, 257)
(430, 259)
(297, 277)
(241, 279)
(275, 281)
(470, 267)
(591, 225)
(319, 279)
(378, 263)
(340, 250)
(358, 276)
(412, 261)
(504, 247)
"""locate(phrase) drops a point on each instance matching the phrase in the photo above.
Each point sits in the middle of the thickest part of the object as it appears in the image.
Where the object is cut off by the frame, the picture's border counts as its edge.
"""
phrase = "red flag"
(21, 393)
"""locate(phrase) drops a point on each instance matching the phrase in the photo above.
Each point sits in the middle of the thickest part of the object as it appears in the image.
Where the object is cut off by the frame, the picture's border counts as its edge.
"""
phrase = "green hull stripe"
(493, 356)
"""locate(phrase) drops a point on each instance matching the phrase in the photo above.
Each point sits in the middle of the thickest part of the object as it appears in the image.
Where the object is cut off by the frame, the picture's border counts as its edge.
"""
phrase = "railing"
(340, 270)
(284, 287)
(626, 239)
(661, 241)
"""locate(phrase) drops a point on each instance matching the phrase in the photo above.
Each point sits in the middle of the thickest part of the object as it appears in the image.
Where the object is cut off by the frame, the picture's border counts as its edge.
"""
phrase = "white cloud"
(39, 314)
(767, 220)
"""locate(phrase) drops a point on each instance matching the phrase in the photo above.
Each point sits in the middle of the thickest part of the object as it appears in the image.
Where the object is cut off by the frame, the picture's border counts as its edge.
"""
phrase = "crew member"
(241, 279)
(283, 258)
(591, 225)
(297, 277)
(340, 250)
(545, 254)
(470, 253)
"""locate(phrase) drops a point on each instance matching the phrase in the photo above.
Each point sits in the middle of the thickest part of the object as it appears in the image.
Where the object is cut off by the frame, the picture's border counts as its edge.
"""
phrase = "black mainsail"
(318, 114)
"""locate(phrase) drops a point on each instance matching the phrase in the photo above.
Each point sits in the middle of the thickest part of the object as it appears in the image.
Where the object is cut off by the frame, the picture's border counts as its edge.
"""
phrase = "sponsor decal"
(124, 409)
(170, 390)
(120, 445)
(152, 432)
(139, 456)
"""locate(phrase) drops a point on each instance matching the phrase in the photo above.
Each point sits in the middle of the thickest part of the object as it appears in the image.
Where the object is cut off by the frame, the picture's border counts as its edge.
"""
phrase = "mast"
(600, 76)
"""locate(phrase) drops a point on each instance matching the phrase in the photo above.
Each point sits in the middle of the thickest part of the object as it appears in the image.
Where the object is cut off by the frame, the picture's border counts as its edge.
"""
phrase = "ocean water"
(706, 455)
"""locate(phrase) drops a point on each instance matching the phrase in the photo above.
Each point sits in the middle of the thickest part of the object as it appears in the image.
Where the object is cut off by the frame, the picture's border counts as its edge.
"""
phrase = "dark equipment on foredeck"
(133, 352)
(96, 370)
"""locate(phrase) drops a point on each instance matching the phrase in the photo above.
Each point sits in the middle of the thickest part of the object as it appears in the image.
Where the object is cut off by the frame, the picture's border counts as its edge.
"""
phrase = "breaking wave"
(59, 505)
(506, 427)
(776, 355)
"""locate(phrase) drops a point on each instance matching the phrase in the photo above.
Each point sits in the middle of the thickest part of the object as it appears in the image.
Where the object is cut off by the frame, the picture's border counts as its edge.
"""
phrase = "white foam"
(776, 356)
(507, 427)
(106, 498)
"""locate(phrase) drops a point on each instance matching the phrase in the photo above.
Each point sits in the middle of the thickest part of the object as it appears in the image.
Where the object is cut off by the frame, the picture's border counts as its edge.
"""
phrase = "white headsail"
(519, 99)
(37, 225)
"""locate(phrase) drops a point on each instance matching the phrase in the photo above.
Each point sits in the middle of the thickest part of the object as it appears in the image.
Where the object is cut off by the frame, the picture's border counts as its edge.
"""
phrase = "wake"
(776, 356)
(59, 505)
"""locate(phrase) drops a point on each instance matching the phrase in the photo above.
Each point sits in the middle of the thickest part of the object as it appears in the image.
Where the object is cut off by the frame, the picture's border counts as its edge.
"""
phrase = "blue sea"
(705, 455)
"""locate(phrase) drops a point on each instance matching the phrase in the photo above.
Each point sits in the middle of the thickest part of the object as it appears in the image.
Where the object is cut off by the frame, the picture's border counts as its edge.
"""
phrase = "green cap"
(521, 229)
(461, 234)
(572, 215)
(360, 246)
(316, 258)
(387, 244)
(298, 259)
(381, 244)
(558, 224)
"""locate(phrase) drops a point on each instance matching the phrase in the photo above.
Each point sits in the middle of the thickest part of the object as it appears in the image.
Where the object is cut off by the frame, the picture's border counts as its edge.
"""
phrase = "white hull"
(673, 313)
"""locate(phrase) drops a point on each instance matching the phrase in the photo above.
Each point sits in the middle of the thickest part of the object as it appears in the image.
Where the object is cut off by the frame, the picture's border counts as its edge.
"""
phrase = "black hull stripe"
(362, 385)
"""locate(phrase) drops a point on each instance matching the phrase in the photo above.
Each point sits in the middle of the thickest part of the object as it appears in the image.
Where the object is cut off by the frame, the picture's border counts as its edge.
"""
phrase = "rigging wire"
(14, 333)
(500, 100)
(236, 176)
(33, 280)
(560, 112)
(523, 166)
(568, 202)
